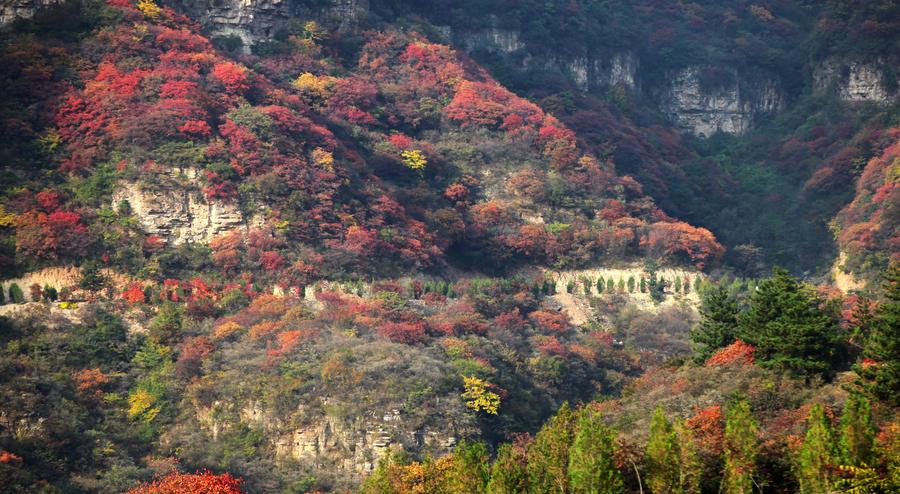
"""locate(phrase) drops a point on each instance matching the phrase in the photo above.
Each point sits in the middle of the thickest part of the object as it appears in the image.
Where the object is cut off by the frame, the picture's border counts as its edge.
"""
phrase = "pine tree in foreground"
(857, 431)
(816, 458)
(662, 455)
(740, 450)
(508, 474)
(591, 466)
(548, 456)
(880, 371)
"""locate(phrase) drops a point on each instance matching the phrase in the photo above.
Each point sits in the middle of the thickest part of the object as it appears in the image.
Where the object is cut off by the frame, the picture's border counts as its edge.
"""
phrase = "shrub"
(15, 294)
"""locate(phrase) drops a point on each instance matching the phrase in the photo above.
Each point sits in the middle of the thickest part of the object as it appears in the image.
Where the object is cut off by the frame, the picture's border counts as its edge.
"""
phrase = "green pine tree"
(789, 329)
(508, 474)
(591, 466)
(601, 285)
(16, 295)
(740, 450)
(548, 456)
(470, 468)
(631, 284)
(643, 285)
(662, 455)
(690, 466)
(882, 377)
(718, 323)
(677, 286)
(816, 457)
(857, 431)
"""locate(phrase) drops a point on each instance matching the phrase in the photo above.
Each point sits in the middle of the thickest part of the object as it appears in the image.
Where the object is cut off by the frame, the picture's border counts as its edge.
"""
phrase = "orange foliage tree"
(191, 483)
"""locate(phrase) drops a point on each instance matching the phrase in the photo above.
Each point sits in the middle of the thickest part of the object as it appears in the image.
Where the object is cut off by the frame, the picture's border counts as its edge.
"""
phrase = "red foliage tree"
(90, 382)
(409, 333)
(57, 235)
(134, 294)
(234, 77)
(737, 353)
(191, 483)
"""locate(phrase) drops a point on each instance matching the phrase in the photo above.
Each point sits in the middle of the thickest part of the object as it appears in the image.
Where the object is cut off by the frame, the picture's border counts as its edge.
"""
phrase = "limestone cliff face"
(175, 208)
(729, 108)
(258, 20)
(348, 447)
(591, 74)
(11, 10)
(854, 81)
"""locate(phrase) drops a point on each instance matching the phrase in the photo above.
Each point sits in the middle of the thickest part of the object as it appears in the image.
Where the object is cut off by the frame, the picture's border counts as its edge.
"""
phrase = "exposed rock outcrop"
(175, 209)
(11, 10)
(591, 74)
(350, 446)
(491, 40)
(728, 107)
(259, 20)
(855, 81)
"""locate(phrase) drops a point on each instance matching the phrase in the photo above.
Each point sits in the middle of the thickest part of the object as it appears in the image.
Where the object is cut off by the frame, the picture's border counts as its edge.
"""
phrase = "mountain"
(326, 245)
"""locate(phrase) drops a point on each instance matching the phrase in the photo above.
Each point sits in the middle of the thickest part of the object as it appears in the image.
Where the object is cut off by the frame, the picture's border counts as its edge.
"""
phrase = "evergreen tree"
(857, 431)
(631, 284)
(643, 285)
(881, 376)
(548, 456)
(816, 457)
(740, 450)
(508, 474)
(91, 278)
(591, 466)
(16, 295)
(677, 287)
(470, 468)
(621, 285)
(50, 293)
(601, 285)
(698, 282)
(690, 466)
(789, 329)
(662, 455)
(686, 285)
(610, 286)
(718, 323)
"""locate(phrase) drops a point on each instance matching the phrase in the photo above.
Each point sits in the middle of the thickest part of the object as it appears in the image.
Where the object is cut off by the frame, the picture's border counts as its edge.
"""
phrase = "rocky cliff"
(258, 20)
(855, 81)
(729, 106)
(348, 447)
(175, 209)
(11, 10)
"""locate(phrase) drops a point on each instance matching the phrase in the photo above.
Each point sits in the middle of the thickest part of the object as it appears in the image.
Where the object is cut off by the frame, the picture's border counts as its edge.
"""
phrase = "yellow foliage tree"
(323, 158)
(141, 406)
(6, 219)
(478, 397)
(313, 86)
(414, 159)
(149, 9)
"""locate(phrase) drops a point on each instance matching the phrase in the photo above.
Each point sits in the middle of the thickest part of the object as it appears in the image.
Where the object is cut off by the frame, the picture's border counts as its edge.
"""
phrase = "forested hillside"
(395, 246)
